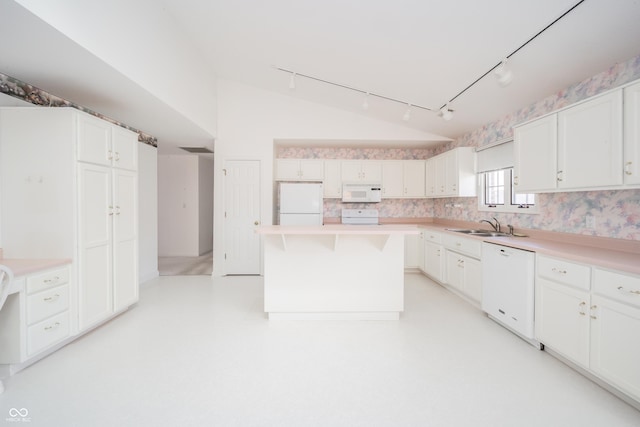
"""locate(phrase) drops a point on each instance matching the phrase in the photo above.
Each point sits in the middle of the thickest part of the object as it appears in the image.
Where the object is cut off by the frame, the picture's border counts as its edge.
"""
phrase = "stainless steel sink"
(481, 233)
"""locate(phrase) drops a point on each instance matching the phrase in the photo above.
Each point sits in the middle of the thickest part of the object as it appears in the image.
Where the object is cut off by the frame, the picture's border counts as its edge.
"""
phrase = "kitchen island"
(334, 271)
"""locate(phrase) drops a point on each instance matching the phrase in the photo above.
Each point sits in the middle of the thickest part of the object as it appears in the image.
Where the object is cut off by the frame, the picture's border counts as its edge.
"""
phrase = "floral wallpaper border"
(29, 93)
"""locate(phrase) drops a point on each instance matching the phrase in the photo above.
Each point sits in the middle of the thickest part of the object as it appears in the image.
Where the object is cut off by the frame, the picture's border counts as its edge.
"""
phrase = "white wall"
(178, 205)
(147, 212)
(185, 205)
(140, 40)
(205, 211)
(249, 120)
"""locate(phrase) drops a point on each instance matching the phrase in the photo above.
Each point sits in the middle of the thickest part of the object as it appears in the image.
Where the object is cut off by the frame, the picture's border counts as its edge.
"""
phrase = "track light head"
(365, 102)
(292, 81)
(446, 113)
(407, 114)
(503, 74)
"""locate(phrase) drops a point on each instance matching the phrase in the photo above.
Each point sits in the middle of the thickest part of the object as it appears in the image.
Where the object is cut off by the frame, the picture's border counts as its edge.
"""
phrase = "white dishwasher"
(508, 292)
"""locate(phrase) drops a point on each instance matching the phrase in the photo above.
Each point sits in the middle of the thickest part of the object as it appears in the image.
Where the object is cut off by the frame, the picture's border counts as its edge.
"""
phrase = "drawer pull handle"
(54, 326)
(621, 289)
(52, 298)
(582, 304)
(53, 280)
(556, 270)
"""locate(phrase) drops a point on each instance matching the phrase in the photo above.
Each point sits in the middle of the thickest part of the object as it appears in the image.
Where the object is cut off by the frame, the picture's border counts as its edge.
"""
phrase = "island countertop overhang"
(333, 229)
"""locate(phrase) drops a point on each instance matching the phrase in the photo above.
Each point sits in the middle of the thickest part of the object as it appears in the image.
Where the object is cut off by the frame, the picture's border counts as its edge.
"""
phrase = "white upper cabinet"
(299, 170)
(590, 143)
(332, 179)
(124, 145)
(535, 155)
(413, 175)
(632, 135)
(392, 178)
(369, 171)
(403, 178)
(102, 143)
(451, 174)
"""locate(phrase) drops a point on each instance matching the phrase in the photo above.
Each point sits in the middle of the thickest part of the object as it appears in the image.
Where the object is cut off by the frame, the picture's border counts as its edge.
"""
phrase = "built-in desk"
(334, 271)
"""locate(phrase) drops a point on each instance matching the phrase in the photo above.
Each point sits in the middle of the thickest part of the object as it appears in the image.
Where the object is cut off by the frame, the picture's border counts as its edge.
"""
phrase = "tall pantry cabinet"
(70, 190)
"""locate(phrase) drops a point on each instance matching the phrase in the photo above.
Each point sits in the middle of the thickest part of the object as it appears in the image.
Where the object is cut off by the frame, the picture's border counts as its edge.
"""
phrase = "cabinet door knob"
(559, 176)
(627, 168)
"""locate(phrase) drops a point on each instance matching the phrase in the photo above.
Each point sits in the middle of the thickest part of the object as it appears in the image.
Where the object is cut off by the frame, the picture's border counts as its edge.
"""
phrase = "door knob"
(256, 223)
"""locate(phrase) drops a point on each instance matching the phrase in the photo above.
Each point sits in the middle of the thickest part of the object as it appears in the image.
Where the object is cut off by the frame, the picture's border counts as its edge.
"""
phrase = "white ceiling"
(422, 52)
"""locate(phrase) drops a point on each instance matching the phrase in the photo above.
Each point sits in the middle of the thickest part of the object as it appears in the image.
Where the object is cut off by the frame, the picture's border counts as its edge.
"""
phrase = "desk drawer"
(48, 279)
(47, 303)
(618, 286)
(46, 333)
(565, 272)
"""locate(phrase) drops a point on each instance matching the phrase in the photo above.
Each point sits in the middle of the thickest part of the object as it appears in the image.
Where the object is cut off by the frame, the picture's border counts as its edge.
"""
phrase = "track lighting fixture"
(503, 74)
(407, 114)
(367, 94)
(292, 81)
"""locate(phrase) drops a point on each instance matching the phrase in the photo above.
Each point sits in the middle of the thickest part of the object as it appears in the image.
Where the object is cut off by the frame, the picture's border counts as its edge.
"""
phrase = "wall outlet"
(590, 222)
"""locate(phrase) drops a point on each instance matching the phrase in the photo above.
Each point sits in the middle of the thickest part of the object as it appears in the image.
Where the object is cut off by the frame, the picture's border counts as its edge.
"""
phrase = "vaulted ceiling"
(420, 52)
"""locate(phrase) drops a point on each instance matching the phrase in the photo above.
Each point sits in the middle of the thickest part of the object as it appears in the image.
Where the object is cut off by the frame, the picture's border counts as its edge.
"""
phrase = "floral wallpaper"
(617, 213)
(355, 153)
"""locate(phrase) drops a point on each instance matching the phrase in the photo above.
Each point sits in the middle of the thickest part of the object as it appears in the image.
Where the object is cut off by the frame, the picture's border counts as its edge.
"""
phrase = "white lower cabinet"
(615, 329)
(36, 318)
(593, 322)
(463, 267)
(562, 322)
(464, 274)
(434, 261)
(411, 251)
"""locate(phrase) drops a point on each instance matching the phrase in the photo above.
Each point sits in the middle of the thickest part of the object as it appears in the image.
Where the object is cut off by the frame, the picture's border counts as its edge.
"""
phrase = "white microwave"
(361, 193)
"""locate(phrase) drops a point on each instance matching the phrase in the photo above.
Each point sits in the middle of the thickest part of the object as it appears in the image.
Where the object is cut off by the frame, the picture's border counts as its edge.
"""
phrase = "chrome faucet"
(496, 226)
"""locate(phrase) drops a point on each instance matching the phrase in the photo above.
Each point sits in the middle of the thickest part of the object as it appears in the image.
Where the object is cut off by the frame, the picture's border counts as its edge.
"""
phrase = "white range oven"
(360, 216)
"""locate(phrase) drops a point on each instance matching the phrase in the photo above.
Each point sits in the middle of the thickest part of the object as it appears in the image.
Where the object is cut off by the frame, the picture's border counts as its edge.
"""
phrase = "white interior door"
(241, 216)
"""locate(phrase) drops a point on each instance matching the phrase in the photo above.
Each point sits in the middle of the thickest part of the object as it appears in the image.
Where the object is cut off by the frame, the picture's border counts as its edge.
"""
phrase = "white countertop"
(21, 267)
(623, 258)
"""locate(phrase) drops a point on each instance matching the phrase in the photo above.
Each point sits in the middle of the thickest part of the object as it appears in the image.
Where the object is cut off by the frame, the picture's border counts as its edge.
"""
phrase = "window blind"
(496, 157)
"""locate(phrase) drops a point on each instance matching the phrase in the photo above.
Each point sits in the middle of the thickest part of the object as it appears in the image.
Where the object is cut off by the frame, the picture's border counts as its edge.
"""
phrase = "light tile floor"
(179, 265)
(203, 354)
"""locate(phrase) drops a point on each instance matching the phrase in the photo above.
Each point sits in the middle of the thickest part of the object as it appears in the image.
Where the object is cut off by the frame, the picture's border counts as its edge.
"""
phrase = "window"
(497, 195)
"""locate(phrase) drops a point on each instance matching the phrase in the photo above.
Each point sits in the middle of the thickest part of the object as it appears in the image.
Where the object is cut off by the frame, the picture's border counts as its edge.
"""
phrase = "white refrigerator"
(300, 203)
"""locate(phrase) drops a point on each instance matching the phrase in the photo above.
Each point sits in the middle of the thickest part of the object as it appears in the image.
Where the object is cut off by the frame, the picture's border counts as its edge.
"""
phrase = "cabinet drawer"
(565, 272)
(47, 303)
(470, 247)
(46, 280)
(48, 332)
(620, 287)
(432, 236)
